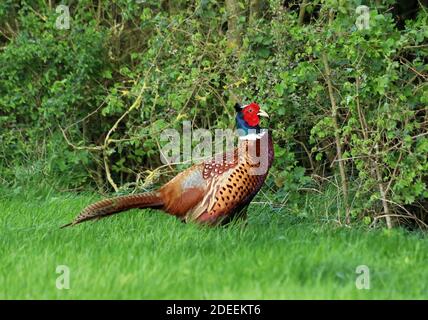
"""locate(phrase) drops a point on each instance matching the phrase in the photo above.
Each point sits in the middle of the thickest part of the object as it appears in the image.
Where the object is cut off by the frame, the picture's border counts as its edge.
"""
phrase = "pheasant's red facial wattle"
(250, 114)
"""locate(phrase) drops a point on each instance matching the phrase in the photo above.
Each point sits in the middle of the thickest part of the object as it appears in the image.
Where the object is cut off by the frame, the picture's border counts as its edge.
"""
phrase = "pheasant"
(213, 192)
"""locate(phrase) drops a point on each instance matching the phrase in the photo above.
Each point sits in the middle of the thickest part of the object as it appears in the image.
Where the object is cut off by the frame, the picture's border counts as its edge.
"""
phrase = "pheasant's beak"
(263, 113)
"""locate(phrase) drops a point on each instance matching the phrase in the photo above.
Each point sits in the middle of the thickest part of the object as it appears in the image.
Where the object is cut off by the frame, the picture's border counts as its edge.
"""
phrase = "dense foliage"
(85, 105)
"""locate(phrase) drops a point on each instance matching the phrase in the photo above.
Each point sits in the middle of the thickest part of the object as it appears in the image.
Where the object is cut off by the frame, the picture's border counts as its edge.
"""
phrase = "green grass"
(149, 255)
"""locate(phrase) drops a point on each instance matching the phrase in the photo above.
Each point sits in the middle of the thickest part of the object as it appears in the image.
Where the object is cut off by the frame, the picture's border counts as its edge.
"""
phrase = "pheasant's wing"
(184, 191)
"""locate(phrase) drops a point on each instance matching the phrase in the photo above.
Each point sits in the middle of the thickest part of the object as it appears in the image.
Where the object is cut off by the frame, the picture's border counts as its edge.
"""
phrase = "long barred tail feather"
(111, 206)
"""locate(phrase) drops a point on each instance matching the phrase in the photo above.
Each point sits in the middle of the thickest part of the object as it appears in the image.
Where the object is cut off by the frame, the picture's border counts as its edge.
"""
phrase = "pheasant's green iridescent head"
(248, 117)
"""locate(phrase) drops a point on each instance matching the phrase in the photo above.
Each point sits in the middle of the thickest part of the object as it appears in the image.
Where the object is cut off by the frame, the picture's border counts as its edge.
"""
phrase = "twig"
(373, 164)
(337, 137)
(302, 11)
(309, 154)
(398, 216)
(413, 69)
(97, 148)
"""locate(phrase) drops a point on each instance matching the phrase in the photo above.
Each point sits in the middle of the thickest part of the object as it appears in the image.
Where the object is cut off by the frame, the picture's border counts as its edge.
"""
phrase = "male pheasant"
(213, 192)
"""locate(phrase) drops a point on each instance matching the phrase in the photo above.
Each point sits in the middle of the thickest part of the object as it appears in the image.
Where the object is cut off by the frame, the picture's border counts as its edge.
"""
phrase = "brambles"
(178, 64)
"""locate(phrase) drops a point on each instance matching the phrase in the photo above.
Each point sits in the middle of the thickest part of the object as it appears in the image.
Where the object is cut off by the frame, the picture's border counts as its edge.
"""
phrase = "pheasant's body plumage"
(212, 192)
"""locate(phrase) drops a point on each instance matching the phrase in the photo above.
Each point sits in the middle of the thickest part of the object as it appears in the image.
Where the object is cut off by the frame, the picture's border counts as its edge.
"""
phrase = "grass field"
(148, 255)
